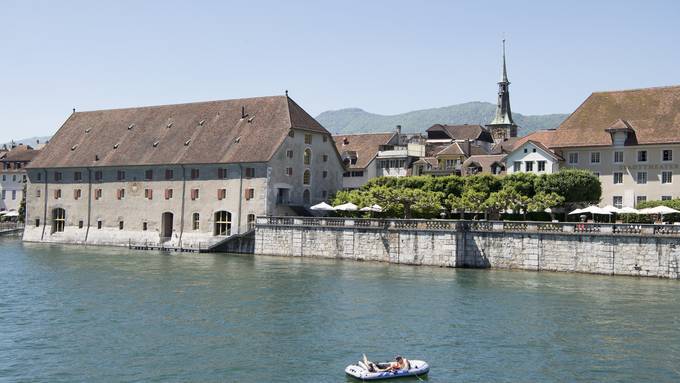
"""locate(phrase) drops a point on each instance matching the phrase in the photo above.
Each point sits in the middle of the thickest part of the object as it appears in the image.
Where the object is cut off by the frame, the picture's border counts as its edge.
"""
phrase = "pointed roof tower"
(502, 125)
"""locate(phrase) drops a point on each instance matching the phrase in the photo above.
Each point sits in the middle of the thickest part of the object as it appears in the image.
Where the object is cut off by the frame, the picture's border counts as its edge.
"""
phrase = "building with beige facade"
(13, 175)
(183, 175)
(630, 139)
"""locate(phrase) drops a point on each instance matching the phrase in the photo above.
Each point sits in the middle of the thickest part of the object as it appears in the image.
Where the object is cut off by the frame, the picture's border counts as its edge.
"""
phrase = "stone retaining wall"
(640, 250)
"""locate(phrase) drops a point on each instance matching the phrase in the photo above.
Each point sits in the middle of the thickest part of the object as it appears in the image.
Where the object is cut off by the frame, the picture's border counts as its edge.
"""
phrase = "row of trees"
(428, 197)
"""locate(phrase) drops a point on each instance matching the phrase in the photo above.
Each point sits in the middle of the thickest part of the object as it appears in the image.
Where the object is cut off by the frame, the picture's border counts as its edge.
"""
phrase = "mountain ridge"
(357, 120)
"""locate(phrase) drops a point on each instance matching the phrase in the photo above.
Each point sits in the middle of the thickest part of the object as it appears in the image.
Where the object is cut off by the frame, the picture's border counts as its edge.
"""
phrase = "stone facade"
(569, 248)
(96, 212)
(635, 174)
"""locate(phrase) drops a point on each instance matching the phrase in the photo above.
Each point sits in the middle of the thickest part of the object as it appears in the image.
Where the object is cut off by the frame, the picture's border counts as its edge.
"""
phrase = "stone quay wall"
(614, 249)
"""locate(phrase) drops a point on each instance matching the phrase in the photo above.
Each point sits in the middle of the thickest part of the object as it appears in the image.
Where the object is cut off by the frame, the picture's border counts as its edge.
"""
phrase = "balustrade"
(489, 226)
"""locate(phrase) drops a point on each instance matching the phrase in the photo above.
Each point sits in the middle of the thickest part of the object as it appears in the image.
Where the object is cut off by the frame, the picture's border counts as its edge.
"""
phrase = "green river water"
(96, 314)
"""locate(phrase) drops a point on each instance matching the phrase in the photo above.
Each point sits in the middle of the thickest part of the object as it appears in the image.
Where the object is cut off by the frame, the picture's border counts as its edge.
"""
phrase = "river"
(97, 314)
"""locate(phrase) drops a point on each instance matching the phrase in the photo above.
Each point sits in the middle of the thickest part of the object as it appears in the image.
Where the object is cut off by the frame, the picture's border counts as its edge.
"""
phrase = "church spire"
(505, 71)
(502, 126)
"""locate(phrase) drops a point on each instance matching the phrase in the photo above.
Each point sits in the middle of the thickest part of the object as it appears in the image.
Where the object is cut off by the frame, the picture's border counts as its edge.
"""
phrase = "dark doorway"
(166, 226)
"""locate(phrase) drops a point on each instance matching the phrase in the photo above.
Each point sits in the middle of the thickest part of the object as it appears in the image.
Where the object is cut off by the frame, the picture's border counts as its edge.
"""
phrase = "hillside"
(354, 120)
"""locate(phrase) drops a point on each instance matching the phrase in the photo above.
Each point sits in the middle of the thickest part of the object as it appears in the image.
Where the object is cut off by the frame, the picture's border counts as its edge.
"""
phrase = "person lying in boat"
(399, 363)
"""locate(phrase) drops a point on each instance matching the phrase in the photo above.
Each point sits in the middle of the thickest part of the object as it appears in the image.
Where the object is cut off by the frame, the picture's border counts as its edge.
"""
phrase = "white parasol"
(322, 207)
(346, 207)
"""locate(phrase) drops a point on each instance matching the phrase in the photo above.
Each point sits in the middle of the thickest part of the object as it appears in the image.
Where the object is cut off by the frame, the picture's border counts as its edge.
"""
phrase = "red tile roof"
(194, 133)
(653, 113)
(364, 145)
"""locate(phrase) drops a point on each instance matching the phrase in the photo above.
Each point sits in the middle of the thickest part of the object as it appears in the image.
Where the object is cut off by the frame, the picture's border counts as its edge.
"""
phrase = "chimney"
(399, 129)
(345, 141)
(469, 148)
(74, 110)
(243, 112)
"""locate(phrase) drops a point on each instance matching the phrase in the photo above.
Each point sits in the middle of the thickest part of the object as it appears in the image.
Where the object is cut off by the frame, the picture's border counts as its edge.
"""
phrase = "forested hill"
(355, 120)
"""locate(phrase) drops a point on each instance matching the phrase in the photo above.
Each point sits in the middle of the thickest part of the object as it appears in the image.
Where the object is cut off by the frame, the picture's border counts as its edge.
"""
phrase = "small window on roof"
(88, 130)
(201, 122)
(237, 139)
(187, 142)
(115, 146)
(74, 147)
(169, 125)
(155, 144)
(131, 126)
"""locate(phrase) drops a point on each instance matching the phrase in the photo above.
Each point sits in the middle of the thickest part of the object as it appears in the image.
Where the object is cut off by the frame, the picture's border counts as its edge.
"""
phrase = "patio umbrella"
(377, 208)
(3, 212)
(577, 211)
(592, 209)
(661, 209)
(612, 209)
(628, 210)
(347, 207)
(367, 208)
(12, 213)
(322, 207)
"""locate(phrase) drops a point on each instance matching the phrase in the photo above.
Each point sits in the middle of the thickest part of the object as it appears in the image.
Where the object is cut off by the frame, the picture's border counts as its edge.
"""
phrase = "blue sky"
(385, 57)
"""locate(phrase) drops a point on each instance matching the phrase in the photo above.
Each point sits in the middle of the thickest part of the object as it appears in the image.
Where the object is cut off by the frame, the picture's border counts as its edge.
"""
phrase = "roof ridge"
(637, 89)
(177, 104)
(361, 134)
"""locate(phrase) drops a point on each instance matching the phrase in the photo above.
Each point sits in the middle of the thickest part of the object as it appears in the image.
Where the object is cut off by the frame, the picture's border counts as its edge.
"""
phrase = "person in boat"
(400, 363)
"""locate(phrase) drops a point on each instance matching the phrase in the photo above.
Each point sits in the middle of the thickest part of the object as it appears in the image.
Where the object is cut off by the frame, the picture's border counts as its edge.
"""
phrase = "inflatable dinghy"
(361, 371)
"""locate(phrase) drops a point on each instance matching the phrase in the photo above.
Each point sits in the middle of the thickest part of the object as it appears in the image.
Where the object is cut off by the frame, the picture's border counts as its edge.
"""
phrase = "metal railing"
(616, 229)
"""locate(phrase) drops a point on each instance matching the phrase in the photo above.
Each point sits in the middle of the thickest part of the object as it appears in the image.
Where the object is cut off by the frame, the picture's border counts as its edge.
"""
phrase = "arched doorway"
(222, 223)
(166, 226)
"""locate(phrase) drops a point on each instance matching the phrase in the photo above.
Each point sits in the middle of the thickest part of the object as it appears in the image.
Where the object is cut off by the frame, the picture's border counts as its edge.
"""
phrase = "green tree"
(483, 183)
(455, 204)
(542, 201)
(523, 183)
(474, 201)
(575, 185)
(407, 201)
(508, 198)
(22, 205)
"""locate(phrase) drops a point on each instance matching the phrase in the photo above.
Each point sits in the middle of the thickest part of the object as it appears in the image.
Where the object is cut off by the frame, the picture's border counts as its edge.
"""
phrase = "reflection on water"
(104, 314)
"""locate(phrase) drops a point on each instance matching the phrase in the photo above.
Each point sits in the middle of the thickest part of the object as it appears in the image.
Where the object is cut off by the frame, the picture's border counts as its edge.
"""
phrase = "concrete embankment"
(615, 249)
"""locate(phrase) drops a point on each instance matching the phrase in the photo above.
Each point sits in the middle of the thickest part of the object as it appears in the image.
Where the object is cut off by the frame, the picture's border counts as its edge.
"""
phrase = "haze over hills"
(33, 141)
(355, 120)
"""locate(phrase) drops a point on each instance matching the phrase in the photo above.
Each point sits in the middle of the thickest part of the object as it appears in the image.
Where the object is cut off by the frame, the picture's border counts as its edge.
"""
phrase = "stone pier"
(614, 249)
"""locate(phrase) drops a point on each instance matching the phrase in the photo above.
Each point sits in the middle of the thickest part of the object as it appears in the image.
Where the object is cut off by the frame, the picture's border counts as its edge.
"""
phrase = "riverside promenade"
(597, 248)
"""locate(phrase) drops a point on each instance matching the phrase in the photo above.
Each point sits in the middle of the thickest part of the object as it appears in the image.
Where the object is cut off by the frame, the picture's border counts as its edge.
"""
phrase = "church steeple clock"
(502, 126)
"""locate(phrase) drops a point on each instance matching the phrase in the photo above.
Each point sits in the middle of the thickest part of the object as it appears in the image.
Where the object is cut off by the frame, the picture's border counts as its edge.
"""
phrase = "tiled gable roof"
(653, 113)
(485, 161)
(463, 132)
(20, 153)
(198, 133)
(452, 150)
(545, 137)
(364, 146)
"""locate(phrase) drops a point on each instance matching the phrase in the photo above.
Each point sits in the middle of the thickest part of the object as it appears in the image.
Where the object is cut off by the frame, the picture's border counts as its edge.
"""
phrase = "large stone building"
(185, 175)
(630, 139)
(13, 175)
